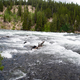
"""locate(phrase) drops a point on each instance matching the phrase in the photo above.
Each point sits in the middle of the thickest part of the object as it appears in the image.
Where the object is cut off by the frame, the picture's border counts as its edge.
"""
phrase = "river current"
(57, 59)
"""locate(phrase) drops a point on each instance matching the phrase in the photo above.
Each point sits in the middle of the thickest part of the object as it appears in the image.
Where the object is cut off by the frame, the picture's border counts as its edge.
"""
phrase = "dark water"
(57, 59)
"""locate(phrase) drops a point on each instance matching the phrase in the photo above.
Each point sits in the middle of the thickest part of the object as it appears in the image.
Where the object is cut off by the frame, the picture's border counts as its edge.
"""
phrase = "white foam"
(55, 61)
(61, 52)
(47, 43)
(15, 40)
(19, 73)
(7, 53)
(18, 45)
(27, 43)
(59, 42)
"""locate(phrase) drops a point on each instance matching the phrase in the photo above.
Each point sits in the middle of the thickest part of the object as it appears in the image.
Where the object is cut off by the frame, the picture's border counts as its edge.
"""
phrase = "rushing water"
(57, 59)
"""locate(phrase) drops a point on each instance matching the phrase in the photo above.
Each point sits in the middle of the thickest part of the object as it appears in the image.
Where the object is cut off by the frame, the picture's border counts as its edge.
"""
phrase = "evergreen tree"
(1, 6)
(65, 16)
(9, 19)
(48, 12)
(14, 10)
(77, 23)
(35, 15)
(41, 21)
(4, 18)
(11, 4)
(25, 21)
(29, 22)
(54, 23)
(8, 9)
(47, 27)
(19, 10)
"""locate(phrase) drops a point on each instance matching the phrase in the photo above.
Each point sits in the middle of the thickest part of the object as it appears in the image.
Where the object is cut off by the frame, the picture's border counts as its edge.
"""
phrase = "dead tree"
(40, 45)
(36, 47)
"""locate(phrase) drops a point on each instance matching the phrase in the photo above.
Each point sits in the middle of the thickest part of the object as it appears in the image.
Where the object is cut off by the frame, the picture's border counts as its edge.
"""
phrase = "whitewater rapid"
(64, 46)
(60, 44)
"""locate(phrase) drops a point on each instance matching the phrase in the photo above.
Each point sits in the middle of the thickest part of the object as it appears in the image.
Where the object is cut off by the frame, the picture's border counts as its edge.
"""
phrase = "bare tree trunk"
(36, 47)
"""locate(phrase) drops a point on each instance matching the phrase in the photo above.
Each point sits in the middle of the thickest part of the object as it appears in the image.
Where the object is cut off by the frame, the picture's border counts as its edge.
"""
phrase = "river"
(57, 59)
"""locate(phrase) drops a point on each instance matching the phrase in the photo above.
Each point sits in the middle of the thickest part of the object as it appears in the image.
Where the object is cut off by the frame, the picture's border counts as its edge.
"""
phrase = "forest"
(65, 17)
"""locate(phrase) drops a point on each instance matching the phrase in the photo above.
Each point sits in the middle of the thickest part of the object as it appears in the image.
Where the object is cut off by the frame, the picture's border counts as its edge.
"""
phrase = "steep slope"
(16, 23)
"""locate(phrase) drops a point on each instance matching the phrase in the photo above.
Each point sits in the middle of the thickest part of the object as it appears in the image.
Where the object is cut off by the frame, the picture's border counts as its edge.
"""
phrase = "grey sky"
(69, 1)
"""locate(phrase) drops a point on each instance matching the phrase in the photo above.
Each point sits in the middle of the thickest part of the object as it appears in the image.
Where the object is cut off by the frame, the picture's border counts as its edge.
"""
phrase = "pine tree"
(19, 10)
(25, 21)
(54, 23)
(14, 10)
(8, 9)
(11, 4)
(48, 12)
(47, 27)
(1, 6)
(29, 22)
(35, 15)
(41, 21)
(4, 18)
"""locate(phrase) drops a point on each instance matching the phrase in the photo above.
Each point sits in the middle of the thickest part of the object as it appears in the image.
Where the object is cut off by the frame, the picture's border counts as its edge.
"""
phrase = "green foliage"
(65, 27)
(35, 16)
(1, 15)
(47, 27)
(19, 10)
(41, 21)
(14, 10)
(54, 23)
(28, 19)
(9, 19)
(9, 16)
(3, 27)
(1, 67)
(25, 21)
(48, 13)
(4, 18)
(13, 28)
(29, 22)
(1, 6)
(65, 16)
(8, 9)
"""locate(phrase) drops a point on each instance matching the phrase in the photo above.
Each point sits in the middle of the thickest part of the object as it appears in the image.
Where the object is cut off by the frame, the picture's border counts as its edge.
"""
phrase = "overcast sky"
(69, 1)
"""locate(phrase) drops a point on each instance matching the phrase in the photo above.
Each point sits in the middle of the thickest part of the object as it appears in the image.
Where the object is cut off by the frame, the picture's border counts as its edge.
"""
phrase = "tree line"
(65, 16)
